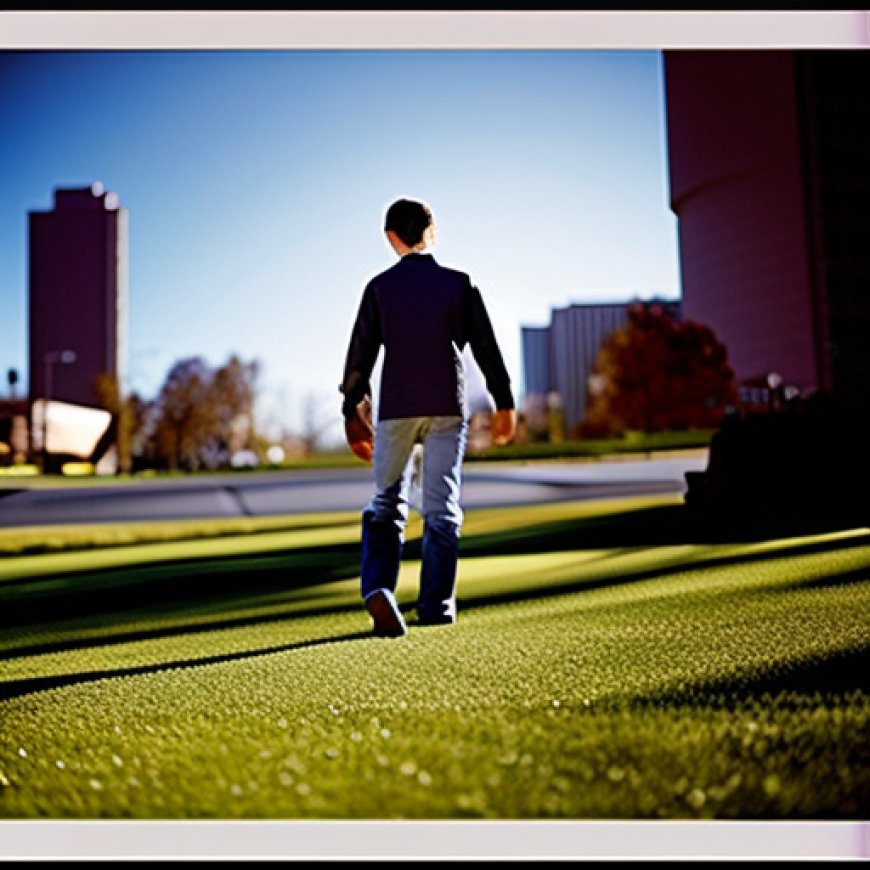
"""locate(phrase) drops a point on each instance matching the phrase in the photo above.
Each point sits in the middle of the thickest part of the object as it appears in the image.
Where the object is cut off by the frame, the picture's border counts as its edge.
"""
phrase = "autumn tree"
(128, 419)
(233, 394)
(139, 411)
(202, 415)
(657, 373)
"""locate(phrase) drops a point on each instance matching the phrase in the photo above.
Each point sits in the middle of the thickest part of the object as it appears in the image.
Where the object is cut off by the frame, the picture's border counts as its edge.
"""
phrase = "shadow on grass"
(828, 677)
(191, 626)
(193, 621)
(660, 526)
(179, 583)
(178, 590)
(588, 583)
(16, 688)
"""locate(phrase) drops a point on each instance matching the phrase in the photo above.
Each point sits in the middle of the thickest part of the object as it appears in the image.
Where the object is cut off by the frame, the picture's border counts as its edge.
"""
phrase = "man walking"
(423, 314)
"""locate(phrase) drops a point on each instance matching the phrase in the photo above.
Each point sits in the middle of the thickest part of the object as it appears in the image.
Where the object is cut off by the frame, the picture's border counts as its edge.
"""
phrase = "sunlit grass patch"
(680, 680)
(501, 519)
(213, 546)
(518, 711)
(608, 580)
(71, 537)
(42, 540)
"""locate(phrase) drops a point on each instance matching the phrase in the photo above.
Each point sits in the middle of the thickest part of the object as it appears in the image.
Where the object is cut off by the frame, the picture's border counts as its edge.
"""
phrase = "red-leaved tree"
(657, 373)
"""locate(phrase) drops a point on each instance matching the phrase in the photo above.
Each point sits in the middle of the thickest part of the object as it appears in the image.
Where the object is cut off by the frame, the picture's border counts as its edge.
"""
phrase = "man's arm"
(362, 352)
(481, 337)
(365, 342)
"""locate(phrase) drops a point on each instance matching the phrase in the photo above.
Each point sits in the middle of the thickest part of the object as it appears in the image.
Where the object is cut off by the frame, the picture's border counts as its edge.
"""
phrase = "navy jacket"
(423, 314)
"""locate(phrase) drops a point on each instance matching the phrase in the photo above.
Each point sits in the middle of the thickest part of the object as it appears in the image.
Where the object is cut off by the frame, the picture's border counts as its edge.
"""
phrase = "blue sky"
(256, 183)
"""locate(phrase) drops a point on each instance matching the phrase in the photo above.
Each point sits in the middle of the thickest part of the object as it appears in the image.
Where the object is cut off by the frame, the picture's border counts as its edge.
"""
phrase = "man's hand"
(503, 426)
(359, 431)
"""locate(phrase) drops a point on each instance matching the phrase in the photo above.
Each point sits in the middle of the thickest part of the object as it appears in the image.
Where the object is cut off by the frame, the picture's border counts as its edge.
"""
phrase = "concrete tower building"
(78, 274)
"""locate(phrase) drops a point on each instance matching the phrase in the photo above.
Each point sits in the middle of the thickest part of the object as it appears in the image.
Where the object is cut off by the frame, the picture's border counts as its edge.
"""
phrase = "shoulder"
(387, 276)
(427, 269)
(451, 271)
(450, 276)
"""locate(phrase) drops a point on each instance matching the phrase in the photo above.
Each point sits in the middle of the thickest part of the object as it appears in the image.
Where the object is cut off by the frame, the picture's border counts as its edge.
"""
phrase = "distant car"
(244, 459)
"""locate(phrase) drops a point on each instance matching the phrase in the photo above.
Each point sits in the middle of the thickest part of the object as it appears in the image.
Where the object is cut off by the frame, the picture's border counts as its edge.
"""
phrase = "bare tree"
(184, 414)
(319, 417)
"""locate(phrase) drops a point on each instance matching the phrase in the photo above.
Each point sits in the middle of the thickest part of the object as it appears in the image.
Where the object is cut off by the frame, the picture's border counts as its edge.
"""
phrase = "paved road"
(283, 492)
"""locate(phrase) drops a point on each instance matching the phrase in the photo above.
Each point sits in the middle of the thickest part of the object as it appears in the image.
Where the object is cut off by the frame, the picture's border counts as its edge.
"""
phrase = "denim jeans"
(385, 517)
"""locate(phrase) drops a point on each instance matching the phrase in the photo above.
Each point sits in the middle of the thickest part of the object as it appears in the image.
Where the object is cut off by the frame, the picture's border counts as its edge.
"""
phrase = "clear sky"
(256, 184)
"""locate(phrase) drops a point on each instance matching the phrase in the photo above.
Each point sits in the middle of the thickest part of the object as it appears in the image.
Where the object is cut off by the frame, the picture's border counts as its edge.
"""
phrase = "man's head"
(411, 222)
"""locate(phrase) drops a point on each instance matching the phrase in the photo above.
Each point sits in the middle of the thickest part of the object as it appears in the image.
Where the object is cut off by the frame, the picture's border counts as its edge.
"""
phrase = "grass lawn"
(608, 663)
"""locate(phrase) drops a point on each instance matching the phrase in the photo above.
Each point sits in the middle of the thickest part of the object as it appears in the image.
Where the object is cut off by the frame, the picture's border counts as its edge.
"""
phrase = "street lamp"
(49, 360)
(774, 382)
(12, 380)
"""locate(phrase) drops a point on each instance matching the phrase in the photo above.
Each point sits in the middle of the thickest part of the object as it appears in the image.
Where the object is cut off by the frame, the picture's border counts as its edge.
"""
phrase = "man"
(423, 314)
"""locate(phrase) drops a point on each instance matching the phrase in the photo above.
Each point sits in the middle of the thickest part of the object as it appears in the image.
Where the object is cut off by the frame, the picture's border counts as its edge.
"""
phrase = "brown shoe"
(384, 610)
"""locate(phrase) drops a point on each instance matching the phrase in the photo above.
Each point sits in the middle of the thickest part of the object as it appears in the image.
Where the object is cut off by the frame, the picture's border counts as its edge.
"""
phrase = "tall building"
(558, 359)
(770, 182)
(78, 278)
(536, 360)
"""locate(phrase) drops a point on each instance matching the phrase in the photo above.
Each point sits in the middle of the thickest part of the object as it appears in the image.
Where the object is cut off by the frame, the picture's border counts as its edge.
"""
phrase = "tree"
(319, 417)
(182, 414)
(233, 394)
(657, 373)
(203, 415)
(140, 412)
(127, 417)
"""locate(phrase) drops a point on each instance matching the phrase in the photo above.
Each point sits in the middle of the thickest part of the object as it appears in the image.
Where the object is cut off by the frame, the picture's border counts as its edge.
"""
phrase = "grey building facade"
(558, 359)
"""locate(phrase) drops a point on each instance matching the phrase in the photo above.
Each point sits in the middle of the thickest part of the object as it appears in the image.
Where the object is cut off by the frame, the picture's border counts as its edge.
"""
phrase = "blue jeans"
(385, 517)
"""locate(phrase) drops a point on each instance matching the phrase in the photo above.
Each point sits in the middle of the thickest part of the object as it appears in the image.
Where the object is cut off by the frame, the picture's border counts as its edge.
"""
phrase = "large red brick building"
(769, 154)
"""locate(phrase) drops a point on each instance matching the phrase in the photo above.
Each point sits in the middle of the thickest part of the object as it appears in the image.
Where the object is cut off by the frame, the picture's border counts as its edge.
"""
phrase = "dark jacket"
(423, 314)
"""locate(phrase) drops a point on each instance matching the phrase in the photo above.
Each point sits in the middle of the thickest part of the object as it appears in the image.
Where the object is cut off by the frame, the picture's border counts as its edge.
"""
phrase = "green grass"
(607, 664)
(77, 538)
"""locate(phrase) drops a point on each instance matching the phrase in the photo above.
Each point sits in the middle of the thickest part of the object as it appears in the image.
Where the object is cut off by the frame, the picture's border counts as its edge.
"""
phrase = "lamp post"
(12, 380)
(49, 360)
(774, 382)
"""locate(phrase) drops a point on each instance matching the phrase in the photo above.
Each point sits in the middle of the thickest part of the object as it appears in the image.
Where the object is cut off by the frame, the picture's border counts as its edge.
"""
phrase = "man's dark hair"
(408, 219)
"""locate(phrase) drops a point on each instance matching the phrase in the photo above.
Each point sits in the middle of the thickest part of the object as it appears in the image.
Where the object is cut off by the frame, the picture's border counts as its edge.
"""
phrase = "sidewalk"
(663, 466)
